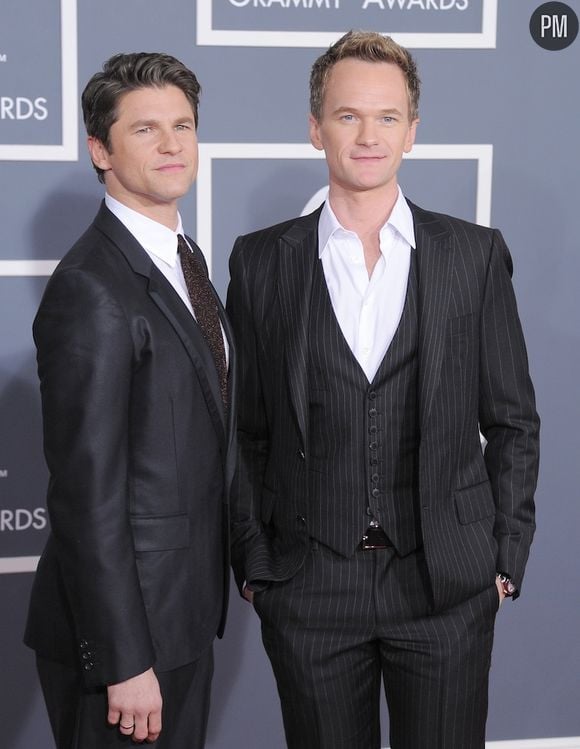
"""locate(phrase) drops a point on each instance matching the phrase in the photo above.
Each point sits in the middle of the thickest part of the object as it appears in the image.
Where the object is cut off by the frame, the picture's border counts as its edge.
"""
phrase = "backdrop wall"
(498, 143)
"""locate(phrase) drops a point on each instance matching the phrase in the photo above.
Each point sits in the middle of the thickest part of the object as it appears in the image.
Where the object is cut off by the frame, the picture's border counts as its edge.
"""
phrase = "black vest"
(363, 438)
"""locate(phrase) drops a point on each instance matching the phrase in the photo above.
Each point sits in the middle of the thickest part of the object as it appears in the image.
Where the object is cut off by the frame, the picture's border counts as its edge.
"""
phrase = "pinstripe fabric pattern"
(332, 623)
(477, 511)
(340, 625)
(364, 436)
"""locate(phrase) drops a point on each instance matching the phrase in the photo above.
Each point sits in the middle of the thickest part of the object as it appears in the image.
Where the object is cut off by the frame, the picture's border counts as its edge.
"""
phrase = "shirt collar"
(401, 220)
(157, 239)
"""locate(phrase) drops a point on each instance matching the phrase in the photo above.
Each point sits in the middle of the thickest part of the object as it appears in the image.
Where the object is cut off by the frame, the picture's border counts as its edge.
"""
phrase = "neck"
(364, 213)
(163, 213)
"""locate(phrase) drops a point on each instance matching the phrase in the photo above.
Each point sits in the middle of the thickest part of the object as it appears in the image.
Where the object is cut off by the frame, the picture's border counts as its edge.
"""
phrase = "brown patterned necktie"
(206, 311)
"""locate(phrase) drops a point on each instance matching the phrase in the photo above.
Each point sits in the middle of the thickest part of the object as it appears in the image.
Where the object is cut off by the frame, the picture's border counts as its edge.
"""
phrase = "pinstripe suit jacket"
(477, 508)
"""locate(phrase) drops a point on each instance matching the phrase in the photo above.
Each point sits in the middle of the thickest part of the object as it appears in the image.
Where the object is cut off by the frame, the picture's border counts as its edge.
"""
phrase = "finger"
(154, 725)
(126, 724)
(140, 731)
(113, 717)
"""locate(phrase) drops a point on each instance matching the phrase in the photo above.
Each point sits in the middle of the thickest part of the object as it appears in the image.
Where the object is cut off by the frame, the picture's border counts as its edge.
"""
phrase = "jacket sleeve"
(85, 359)
(508, 418)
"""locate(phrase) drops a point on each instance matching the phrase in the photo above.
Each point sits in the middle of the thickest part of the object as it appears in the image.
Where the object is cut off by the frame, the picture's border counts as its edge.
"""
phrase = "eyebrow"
(354, 110)
(151, 121)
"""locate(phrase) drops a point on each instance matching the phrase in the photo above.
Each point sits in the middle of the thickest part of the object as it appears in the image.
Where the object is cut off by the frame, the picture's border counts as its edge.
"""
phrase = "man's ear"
(314, 130)
(98, 153)
(411, 135)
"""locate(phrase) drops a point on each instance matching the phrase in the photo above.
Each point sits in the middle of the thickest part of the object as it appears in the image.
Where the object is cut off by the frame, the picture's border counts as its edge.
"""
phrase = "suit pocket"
(160, 533)
(474, 503)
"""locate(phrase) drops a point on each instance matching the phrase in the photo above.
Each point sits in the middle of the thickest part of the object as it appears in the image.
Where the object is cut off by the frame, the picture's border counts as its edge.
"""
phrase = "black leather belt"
(375, 538)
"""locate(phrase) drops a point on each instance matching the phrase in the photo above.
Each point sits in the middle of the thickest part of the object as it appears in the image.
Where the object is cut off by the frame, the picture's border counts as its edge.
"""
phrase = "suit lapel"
(435, 258)
(170, 305)
(298, 258)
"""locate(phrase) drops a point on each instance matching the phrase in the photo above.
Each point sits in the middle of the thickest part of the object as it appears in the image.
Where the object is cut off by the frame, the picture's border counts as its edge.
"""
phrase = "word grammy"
(22, 108)
(335, 4)
(23, 520)
(308, 4)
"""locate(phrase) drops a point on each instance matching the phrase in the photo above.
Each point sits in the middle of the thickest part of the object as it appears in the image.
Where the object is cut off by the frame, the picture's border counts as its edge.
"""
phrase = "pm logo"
(440, 24)
(554, 26)
(38, 81)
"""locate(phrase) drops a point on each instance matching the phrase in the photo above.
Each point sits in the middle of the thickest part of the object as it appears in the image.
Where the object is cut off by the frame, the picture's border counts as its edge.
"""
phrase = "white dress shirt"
(160, 243)
(368, 310)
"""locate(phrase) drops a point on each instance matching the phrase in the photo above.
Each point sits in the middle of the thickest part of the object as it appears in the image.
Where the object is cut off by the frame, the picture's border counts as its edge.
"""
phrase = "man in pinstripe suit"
(374, 536)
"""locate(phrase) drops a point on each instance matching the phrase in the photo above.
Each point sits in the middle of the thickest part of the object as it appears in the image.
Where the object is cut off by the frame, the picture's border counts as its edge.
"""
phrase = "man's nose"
(169, 142)
(367, 134)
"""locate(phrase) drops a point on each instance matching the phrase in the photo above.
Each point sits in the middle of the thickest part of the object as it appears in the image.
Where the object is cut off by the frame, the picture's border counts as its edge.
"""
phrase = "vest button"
(373, 446)
(372, 412)
(372, 395)
(375, 492)
(375, 478)
(372, 429)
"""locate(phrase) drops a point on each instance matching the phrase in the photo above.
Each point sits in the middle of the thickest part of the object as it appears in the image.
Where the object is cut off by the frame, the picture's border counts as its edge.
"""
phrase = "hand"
(135, 705)
(499, 587)
(248, 594)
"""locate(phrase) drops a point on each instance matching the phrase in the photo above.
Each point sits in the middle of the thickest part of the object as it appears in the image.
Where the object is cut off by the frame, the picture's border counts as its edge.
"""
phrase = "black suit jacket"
(477, 509)
(140, 455)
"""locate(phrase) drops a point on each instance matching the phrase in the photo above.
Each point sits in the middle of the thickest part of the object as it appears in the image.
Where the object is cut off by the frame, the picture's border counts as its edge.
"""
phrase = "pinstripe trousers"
(339, 625)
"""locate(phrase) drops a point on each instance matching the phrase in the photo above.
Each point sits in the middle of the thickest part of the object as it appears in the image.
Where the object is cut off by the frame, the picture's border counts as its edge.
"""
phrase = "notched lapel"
(192, 339)
(167, 300)
(296, 271)
(435, 258)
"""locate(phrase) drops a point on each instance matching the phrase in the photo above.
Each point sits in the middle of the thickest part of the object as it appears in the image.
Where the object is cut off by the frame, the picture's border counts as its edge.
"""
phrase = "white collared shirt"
(368, 310)
(160, 243)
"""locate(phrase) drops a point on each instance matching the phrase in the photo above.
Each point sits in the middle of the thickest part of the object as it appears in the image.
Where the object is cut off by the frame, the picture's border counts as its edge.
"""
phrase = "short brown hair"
(368, 46)
(123, 73)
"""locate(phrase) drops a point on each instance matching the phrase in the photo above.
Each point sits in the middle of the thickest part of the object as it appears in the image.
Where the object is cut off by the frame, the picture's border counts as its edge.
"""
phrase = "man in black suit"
(135, 362)
(374, 535)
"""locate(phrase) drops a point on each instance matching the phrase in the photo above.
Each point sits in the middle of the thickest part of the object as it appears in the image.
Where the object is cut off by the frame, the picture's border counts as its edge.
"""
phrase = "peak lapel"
(435, 257)
(298, 258)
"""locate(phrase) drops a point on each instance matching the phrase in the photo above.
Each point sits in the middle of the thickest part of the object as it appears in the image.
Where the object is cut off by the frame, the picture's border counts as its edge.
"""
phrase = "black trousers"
(78, 716)
(339, 625)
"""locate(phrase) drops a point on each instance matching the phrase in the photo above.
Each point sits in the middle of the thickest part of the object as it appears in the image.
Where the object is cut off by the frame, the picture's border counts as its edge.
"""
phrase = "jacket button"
(83, 644)
(88, 666)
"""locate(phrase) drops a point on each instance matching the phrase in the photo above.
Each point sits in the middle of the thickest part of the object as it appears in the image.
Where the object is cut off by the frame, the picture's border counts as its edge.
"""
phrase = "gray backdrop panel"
(516, 96)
